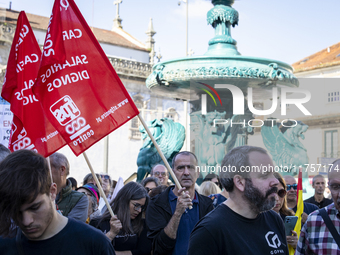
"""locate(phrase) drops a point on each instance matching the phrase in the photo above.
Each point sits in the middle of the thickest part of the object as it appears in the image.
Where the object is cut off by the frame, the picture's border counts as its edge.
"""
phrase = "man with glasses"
(292, 199)
(168, 216)
(315, 237)
(159, 171)
(319, 186)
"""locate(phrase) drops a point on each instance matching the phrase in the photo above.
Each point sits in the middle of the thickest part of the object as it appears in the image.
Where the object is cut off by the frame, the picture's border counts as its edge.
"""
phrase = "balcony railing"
(131, 68)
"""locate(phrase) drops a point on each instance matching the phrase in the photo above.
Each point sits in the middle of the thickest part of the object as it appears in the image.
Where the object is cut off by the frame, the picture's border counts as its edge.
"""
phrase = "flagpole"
(160, 152)
(49, 168)
(98, 184)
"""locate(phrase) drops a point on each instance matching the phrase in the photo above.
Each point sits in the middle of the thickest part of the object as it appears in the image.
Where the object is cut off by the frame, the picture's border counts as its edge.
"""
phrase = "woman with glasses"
(282, 209)
(127, 229)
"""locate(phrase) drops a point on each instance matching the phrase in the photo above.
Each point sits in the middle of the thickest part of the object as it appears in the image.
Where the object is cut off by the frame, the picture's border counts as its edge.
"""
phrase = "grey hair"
(236, 158)
(187, 153)
(151, 173)
(317, 176)
(150, 179)
(58, 160)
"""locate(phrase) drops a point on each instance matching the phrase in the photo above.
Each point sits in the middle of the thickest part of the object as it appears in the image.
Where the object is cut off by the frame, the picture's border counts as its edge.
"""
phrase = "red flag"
(30, 129)
(81, 93)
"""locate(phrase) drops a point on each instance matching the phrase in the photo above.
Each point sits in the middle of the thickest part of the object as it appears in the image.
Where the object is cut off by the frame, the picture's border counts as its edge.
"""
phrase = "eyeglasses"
(160, 173)
(281, 193)
(106, 177)
(294, 186)
(148, 189)
(138, 207)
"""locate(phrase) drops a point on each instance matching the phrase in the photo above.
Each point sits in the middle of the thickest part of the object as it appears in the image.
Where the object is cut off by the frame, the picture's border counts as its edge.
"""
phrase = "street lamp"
(185, 104)
(186, 35)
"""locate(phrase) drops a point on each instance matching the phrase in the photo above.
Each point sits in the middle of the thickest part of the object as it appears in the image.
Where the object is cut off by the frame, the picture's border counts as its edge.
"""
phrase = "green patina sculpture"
(285, 146)
(286, 149)
(210, 140)
(170, 137)
(214, 141)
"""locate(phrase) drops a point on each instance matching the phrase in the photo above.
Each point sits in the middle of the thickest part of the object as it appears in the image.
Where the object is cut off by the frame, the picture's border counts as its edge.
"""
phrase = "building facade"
(133, 61)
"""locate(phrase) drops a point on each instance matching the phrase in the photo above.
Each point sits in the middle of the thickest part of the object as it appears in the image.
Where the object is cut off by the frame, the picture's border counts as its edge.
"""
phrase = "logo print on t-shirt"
(273, 240)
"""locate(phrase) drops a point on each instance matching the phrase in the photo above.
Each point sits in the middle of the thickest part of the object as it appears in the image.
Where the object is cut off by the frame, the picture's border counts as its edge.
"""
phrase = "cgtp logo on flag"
(65, 110)
(22, 141)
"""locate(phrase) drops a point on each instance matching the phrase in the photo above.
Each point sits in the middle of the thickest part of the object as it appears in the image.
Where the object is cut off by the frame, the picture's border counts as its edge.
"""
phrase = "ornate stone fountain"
(193, 78)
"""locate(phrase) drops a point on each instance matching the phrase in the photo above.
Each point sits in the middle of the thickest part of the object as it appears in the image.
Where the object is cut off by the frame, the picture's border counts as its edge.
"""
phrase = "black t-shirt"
(75, 238)
(323, 203)
(223, 231)
(138, 245)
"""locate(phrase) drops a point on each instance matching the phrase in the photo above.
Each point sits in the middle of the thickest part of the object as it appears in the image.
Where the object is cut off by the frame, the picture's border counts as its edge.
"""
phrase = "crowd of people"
(42, 211)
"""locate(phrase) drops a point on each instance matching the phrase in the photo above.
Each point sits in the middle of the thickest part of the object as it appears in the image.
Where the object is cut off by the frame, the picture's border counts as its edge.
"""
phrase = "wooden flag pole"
(160, 152)
(98, 184)
(49, 167)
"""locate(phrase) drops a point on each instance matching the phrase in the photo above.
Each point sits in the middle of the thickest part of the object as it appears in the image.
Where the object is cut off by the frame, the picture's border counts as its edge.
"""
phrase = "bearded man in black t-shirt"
(244, 223)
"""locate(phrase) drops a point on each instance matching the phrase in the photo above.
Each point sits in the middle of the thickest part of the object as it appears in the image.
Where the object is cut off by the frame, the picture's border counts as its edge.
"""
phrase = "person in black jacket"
(319, 185)
(127, 230)
(168, 217)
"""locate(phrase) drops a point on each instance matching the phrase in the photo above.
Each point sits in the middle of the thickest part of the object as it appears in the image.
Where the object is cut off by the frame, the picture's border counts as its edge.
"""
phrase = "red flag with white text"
(30, 129)
(80, 92)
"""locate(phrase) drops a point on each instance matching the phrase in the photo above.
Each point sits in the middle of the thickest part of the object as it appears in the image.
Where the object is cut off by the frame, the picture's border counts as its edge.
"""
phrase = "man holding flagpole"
(320, 234)
(168, 217)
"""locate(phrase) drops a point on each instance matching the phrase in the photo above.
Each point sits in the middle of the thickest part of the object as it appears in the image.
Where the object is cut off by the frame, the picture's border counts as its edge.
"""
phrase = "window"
(135, 123)
(333, 97)
(331, 144)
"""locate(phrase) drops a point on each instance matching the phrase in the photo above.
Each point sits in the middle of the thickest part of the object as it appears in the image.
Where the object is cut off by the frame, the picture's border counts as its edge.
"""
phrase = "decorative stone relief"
(272, 73)
(130, 67)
